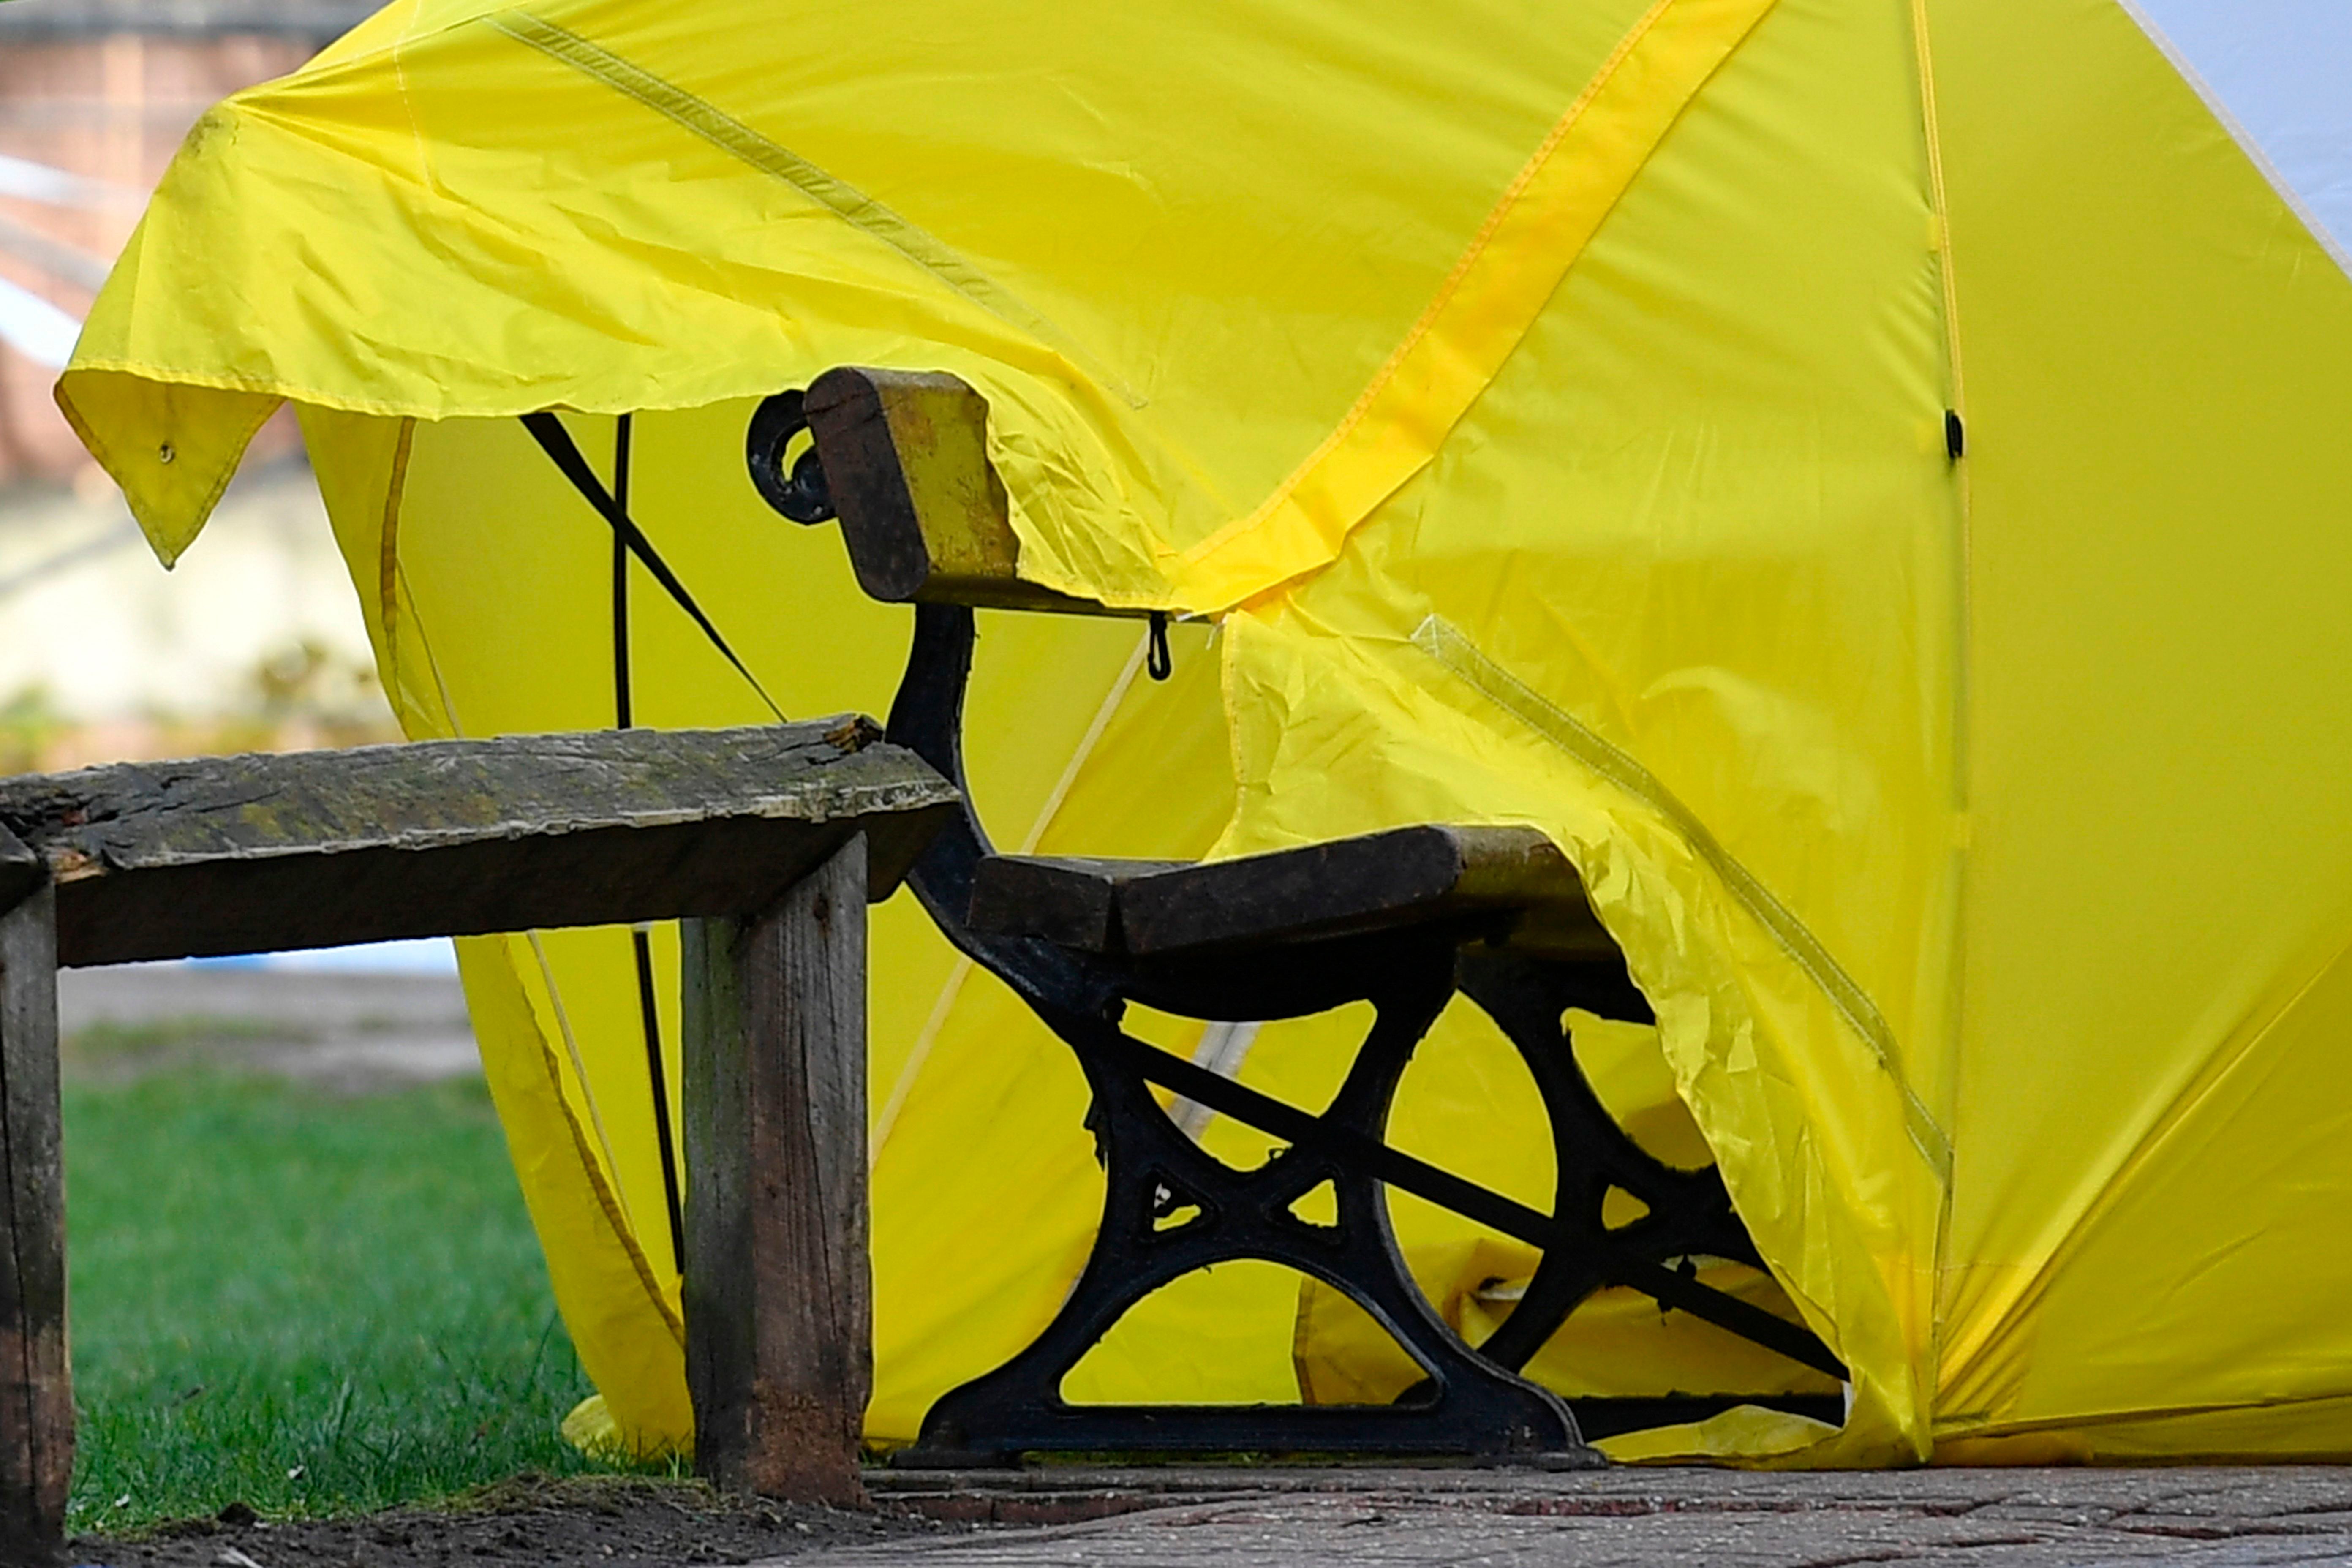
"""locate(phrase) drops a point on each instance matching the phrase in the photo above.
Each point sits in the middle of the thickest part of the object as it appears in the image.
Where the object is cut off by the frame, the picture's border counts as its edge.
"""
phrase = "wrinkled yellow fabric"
(1628, 600)
(1551, 412)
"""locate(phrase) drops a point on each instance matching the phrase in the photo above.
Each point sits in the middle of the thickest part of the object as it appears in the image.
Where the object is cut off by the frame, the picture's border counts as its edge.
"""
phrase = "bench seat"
(1512, 880)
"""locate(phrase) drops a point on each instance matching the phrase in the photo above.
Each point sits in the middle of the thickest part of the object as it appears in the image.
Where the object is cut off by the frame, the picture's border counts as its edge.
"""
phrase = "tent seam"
(1445, 643)
(902, 1086)
(606, 1191)
(607, 1198)
(702, 118)
(580, 1070)
(388, 551)
(1962, 559)
(1448, 288)
(1674, 82)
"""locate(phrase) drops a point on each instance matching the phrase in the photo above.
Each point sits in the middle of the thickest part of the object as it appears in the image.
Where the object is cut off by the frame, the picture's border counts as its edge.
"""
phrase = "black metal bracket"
(797, 489)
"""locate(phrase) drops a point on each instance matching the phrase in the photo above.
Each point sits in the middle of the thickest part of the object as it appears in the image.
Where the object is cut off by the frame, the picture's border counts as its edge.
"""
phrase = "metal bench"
(1401, 920)
(768, 842)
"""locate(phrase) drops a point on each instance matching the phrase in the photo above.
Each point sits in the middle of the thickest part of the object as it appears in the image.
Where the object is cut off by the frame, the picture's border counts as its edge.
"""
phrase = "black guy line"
(557, 443)
(624, 717)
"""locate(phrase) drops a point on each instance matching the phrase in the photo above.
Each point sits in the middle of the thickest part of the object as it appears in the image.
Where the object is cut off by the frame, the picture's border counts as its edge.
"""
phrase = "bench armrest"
(921, 509)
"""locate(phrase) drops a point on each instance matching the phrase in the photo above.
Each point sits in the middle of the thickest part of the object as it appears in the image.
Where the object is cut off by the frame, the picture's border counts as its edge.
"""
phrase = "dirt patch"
(590, 1521)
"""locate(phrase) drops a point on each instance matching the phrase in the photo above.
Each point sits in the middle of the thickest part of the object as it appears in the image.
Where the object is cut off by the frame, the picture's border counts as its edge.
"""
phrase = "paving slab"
(1656, 1517)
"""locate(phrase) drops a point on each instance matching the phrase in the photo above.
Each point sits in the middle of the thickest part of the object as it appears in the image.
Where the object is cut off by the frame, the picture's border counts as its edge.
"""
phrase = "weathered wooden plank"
(21, 870)
(921, 509)
(37, 1413)
(1073, 901)
(778, 1293)
(262, 853)
(1406, 876)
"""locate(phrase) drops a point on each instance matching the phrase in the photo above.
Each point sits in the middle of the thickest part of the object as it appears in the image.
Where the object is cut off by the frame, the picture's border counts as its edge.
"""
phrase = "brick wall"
(112, 107)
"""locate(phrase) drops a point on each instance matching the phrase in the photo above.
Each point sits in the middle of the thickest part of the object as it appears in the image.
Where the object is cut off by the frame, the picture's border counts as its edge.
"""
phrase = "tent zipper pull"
(1157, 660)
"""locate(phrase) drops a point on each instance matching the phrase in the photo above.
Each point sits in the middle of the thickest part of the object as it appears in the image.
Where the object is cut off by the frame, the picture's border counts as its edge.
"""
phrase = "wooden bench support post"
(37, 1411)
(779, 1294)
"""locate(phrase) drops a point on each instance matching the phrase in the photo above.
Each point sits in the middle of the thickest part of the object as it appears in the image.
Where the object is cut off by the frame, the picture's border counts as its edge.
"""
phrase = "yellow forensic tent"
(1867, 476)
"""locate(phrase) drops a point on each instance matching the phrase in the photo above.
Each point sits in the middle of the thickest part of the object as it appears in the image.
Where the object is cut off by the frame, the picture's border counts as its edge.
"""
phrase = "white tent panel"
(2276, 73)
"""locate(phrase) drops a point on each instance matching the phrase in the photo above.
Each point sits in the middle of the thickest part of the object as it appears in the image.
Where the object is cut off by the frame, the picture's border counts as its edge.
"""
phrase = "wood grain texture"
(21, 870)
(1069, 900)
(36, 1412)
(253, 854)
(777, 1292)
(1406, 876)
(922, 511)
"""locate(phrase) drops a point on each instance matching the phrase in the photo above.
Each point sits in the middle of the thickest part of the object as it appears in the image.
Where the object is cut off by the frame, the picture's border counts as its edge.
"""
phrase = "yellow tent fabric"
(1863, 476)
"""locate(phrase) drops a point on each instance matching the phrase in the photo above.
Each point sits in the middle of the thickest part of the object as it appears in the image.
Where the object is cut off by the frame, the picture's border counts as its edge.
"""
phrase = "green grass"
(152, 1036)
(310, 1304)
(108, 1048)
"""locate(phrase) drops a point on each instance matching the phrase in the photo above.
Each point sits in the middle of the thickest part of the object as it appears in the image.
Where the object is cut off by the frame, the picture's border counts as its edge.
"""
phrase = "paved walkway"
(2214, 1518)
(345, 1032)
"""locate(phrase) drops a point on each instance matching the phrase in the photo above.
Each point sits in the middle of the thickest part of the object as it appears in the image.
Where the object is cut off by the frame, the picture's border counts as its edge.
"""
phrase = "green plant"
(30, 720)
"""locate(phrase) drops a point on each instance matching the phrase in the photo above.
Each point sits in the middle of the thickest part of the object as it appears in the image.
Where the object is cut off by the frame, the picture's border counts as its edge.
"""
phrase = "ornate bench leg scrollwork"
(1169, 1208)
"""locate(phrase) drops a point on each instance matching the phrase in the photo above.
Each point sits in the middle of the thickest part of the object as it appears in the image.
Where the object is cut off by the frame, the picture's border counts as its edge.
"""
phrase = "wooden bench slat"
(1071, 900)
(1406, 876)
(259, 854)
